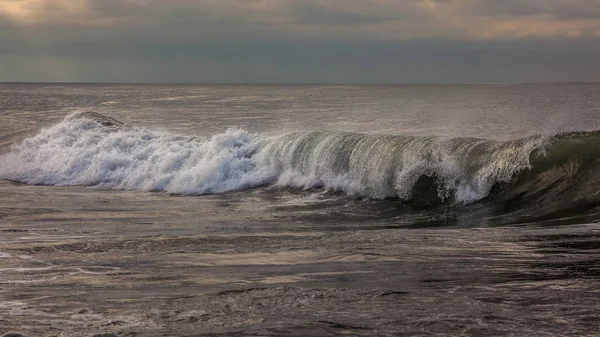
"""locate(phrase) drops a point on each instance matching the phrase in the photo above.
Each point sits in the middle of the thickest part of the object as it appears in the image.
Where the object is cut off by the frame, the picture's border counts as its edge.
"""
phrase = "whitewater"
(90, 149)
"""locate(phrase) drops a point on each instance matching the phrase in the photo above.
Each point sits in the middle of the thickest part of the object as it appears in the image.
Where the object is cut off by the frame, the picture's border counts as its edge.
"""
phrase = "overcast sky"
(401, 41)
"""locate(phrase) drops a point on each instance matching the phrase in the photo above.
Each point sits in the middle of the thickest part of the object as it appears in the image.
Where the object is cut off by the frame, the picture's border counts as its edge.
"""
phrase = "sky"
(295, 41)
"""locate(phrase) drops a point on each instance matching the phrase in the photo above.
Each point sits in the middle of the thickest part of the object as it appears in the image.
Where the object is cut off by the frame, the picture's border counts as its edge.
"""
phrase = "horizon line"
(301, 83)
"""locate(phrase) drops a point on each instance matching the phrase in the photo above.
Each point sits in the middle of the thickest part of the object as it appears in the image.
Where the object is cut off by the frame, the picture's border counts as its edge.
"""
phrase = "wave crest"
(382, 166)
(92, 149)
(86, 149)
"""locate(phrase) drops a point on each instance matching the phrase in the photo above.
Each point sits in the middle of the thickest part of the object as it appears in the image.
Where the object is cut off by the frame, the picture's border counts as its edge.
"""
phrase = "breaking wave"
(91, 149)
(95, 150)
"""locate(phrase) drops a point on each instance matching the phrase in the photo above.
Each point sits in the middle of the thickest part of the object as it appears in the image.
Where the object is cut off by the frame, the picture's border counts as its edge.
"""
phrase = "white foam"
(80, 150)
(342, 182)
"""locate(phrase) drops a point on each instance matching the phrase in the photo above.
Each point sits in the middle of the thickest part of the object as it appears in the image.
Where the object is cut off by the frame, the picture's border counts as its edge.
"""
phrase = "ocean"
(300, 210)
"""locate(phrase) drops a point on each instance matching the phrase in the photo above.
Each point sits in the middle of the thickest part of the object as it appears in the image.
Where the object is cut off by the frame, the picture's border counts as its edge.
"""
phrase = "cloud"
(315, 13)
(322, 61)
(377, 19)
(292, 40)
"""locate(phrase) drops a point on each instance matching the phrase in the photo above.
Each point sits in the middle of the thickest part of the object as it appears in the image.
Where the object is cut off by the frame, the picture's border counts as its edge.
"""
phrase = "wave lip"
(382, 166)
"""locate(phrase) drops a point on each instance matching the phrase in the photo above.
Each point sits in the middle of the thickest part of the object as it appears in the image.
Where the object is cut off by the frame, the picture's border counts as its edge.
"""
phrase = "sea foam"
(82, 151)
(94, 150)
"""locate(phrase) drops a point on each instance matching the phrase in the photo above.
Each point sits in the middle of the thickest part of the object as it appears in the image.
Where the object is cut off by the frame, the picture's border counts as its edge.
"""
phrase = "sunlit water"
(299, 210)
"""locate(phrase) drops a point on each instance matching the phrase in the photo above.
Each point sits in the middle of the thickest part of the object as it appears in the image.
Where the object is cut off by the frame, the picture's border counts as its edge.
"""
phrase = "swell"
(95, 150)
(562, 182)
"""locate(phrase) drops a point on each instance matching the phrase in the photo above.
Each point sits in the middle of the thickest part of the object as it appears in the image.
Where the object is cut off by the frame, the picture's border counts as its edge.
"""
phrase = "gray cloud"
(329, 61)
(315, 13)
(557, 9)
(507, 8)
(349, 13)
(577, 10)
(296, 41)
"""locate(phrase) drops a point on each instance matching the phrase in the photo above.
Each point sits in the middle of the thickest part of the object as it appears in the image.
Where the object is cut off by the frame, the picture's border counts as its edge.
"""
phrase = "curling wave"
(92, 149)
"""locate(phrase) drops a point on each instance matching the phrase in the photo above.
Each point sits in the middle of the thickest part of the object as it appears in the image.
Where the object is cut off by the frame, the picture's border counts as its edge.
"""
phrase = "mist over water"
(365, 210)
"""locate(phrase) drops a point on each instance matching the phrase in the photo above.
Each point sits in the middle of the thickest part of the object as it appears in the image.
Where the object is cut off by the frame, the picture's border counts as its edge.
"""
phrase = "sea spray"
(95, 150)
(382, 166)
(82, 150)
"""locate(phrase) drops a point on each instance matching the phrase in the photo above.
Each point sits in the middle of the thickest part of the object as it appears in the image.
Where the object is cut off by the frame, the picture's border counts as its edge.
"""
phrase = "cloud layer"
(299, 40)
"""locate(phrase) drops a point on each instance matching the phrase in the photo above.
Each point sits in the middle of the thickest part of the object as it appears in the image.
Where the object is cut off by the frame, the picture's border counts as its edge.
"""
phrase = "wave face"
(382, 166)
(95, 150)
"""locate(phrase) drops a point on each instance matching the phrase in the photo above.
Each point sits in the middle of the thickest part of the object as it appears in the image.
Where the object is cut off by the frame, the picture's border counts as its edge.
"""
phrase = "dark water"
(299, 210)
